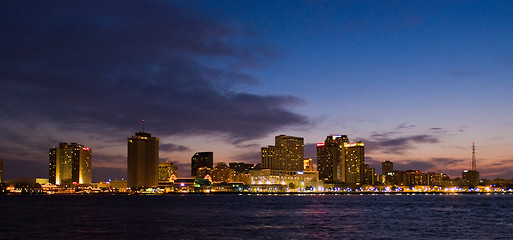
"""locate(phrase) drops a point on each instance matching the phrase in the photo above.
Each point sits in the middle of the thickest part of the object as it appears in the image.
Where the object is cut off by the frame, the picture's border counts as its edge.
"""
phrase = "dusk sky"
(416, 81)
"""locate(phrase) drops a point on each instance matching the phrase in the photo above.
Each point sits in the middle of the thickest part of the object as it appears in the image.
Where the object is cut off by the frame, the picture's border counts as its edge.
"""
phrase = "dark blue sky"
(417, 81)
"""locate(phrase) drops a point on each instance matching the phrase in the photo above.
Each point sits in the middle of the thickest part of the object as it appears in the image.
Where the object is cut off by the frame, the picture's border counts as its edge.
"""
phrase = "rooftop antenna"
(473, 156)
(143, 125)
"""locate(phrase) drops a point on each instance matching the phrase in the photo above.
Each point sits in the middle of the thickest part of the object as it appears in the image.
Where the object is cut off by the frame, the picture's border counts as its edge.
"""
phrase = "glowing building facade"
(222, 173)
(286, 155)
(143, 161)
(353, 172)
(70, 164)
(341, 161)
(308, 164)
(167, 171)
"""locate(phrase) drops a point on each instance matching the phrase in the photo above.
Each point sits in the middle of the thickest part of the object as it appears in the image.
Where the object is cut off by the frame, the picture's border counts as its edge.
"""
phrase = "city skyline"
(147, 154)
(417, 82)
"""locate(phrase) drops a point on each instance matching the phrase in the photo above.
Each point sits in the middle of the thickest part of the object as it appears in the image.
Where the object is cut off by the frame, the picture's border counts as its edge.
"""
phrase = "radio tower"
(473, 156)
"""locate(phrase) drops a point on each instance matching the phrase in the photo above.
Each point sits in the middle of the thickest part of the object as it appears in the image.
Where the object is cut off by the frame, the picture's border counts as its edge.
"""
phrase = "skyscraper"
(201, 160)
(70, 164)
(354, 161)
(143, 161)
(330, 158)
(286, 155)
(341, 161)
(387, 167)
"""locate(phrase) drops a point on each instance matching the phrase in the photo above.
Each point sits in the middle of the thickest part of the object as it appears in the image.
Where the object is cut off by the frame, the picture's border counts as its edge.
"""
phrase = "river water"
(233, 216)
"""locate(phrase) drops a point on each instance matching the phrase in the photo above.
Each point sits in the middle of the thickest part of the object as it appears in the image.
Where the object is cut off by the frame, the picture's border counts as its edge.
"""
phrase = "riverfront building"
(286, 156)
(142, 161)
(338, 160)
(330, 158)
(70, 164)
(167, 171)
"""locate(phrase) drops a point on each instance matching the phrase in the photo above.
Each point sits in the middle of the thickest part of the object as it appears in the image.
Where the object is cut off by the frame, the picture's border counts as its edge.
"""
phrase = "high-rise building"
(272, 157)
(354, 160)
(341, 161)
(387, 170)
(286, 155)
(387, 167)
(142, 161)
(201, 160)
(331, 157)
(70, 164)
(167, 170)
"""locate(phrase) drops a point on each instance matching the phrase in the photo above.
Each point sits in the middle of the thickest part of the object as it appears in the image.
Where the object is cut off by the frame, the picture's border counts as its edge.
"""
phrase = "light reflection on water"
(257, 216)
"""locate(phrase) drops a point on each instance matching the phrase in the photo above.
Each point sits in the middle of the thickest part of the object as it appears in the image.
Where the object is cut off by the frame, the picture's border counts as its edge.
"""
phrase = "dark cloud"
(102, 66)
(508, 161)
(170, 147)
(397, 145)
(405, 126)
(446, 162)
(439, 130)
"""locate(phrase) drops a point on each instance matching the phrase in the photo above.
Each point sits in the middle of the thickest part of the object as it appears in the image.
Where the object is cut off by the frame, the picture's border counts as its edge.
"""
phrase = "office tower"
(387, 167)
(201, 160)
(308, 164)
(272, 157)
(1, 170)
(331, 157)
(341, 161)
(286, 155)
(142, 161)
(166, 170)
(70, 164)
(354, 160)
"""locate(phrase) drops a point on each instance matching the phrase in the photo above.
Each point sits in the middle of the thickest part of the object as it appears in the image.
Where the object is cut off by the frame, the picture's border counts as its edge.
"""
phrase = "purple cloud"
(103, 67)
